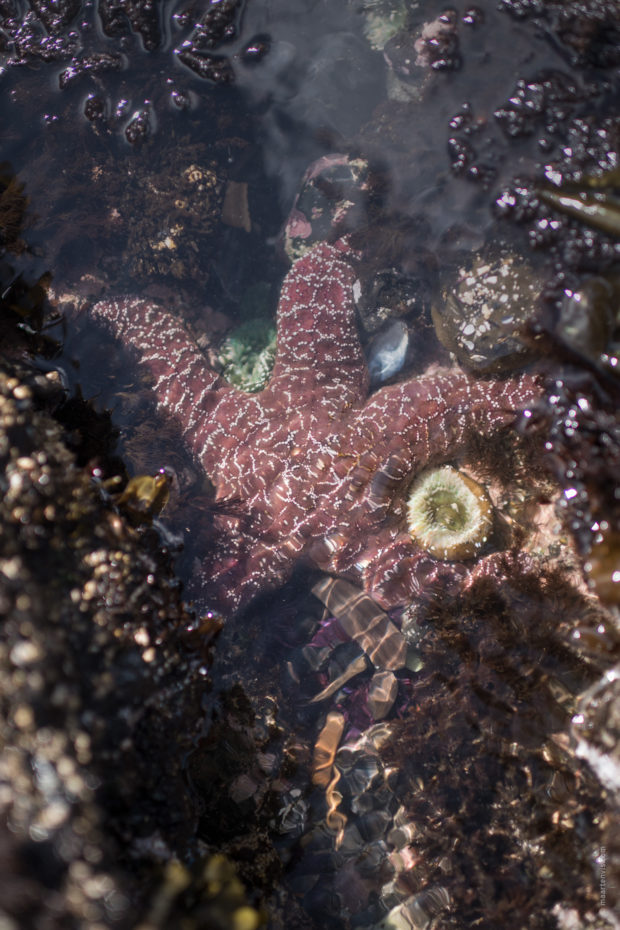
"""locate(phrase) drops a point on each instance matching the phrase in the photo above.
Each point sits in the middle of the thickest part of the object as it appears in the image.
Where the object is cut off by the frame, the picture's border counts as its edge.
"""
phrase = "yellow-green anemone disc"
(449, 514)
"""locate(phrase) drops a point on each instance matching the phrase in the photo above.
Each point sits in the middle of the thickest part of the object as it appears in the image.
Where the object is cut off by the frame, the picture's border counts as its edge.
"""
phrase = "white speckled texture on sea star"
(317, 470)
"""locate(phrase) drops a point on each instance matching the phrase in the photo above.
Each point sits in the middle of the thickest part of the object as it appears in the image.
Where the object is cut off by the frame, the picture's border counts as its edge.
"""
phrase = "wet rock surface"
(104, 684)
(550, 126)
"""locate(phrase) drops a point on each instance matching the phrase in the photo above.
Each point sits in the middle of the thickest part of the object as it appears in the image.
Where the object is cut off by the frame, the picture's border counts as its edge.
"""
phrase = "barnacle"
(449, 514)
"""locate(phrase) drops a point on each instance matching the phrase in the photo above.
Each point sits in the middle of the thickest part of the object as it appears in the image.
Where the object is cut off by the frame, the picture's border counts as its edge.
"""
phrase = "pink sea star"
(313, 468)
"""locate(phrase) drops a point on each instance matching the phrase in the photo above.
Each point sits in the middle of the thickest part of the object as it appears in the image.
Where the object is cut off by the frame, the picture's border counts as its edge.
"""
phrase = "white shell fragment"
(387, 352)
(382, 694)
(417, 911)
(354, 668)
(364, 621)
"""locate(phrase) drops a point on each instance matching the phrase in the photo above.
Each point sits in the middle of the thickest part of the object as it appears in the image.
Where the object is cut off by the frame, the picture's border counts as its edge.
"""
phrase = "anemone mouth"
(449, 514)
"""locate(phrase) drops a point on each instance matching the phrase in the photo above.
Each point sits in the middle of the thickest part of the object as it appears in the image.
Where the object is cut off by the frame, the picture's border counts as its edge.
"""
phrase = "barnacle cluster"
(85, 597)
(172, 210)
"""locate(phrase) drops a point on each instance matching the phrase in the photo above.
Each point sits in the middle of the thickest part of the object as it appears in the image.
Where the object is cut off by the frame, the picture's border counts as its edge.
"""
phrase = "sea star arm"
(184, 385)
(318, 349)
(240, 567)
(407, 427)
(423, 420)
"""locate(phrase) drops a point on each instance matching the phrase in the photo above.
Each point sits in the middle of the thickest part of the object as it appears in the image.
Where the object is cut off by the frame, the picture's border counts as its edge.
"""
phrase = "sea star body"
(313, 468)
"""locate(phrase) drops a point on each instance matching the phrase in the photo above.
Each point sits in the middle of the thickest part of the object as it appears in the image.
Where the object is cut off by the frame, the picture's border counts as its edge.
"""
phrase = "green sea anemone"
(247, 354)
(449, 514)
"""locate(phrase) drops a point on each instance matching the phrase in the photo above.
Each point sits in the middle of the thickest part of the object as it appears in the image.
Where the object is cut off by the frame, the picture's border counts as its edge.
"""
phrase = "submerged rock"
(587, 316)
(386, 295)
(165, 214)
(484, 311)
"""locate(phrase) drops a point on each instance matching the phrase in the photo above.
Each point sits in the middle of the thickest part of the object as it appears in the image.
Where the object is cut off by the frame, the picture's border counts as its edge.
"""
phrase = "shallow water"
(475, 767)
